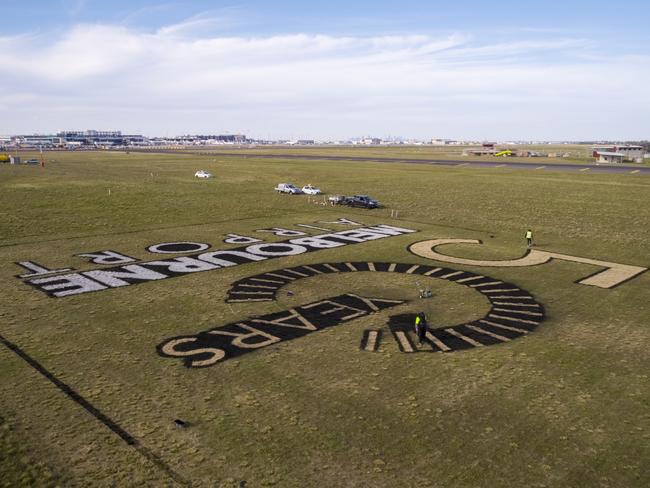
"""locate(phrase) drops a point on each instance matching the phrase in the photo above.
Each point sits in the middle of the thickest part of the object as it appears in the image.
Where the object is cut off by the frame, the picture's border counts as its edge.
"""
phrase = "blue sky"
(464, 69)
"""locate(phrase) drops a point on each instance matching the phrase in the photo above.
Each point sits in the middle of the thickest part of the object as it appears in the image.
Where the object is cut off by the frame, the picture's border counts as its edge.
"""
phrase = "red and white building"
(618, 153)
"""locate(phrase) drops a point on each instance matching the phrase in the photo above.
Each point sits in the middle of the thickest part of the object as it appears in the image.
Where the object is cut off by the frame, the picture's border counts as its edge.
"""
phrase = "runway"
(501, 163)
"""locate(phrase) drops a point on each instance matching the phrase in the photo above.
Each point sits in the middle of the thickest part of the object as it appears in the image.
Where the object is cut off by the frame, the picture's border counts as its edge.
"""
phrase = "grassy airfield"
(567, 405)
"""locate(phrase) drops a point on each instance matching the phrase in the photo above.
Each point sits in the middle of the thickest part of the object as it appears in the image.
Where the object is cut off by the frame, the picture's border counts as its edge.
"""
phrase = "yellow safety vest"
(417, 320)
(529, 234)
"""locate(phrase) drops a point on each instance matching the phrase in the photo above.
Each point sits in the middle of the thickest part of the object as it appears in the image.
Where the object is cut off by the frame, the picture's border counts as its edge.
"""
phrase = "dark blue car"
(363, 201)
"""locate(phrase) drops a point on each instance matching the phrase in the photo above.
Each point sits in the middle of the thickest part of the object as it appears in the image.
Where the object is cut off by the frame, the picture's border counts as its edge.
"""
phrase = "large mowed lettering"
(613, 275)
(69, 284)
(235, 339)
(514, 313)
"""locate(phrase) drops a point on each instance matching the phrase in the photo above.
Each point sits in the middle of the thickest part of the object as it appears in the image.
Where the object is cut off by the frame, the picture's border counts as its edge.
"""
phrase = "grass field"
(567, 405)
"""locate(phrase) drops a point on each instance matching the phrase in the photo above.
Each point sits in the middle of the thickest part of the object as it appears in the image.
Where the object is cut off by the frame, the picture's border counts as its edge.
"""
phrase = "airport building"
(370, 141)
(71, 139)
(610, 157)
(632, 153)
(200, 140)
(102, 138)
(628, 152)
(36, 141)
(443, 142)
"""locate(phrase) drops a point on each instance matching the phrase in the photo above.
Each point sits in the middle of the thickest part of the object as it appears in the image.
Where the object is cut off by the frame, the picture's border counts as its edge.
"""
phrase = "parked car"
(32, 161)
(311, 190)
(288, 188)
(363, 201)
(337, 199)
(202, 174)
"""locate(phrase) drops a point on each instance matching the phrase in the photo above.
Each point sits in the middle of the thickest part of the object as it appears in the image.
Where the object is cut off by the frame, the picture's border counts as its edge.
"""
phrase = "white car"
(202, 174)
(311, 190)
(288, 188)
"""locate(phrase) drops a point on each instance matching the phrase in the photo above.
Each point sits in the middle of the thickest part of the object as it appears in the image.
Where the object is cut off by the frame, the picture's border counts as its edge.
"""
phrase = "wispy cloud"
(143, 12)
(320, 84)
(195, 25)
(76, 7)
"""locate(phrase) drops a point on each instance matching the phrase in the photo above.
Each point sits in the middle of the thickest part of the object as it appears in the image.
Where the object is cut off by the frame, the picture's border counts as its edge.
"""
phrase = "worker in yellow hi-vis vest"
(421, 326)
(529, 238)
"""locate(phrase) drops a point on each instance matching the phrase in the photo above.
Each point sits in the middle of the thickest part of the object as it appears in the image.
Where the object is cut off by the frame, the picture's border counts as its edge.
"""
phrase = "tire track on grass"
(95, 412)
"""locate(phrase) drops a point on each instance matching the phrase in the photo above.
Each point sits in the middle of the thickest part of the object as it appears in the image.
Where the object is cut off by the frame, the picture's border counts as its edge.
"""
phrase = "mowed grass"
(567, 406)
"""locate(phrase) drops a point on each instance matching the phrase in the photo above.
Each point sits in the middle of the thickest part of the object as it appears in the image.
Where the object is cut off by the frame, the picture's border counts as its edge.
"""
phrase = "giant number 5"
(613, 275)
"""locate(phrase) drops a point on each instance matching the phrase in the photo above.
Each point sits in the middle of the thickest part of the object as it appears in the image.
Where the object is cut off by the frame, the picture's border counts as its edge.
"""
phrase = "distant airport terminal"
(601, 151)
